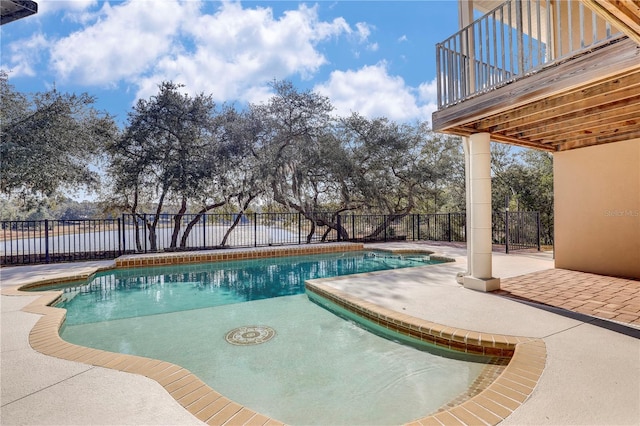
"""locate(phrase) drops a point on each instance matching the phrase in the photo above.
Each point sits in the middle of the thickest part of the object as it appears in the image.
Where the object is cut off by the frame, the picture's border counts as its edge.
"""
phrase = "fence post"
(144, 225)
(255, 229)
(46, 241)
(299, 228)
(449, 226)
(538, 229)
(353, 226)
(418, 226)
(119, 239)
(204, 230)
(465, 227)
(4, 240)
(124, 233)
(413, 227)
(384, 223)
(506, 231)
(339, 227)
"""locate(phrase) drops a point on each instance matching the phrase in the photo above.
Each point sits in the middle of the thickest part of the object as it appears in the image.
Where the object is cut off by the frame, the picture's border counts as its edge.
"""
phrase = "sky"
(372, 57)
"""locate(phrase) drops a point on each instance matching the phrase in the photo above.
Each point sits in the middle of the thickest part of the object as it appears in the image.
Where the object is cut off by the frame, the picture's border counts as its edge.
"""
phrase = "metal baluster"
(503, 66)
(549, 41)
(539, 32)
(529, 36)
(570, 26)
(581, 14)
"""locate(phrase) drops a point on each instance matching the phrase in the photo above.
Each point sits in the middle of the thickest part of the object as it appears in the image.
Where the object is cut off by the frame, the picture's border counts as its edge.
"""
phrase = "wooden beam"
(579, 118)
(617, 131)
(598, 140)
(591, 124)
(608, 91)
(464, 131)
(522, 143)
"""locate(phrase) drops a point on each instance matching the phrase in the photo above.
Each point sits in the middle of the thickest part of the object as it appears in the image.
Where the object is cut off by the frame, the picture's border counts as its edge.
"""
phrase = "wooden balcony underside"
(588, 100)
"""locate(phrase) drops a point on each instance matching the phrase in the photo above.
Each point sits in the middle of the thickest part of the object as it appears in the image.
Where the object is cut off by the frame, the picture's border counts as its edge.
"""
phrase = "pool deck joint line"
(491, 405)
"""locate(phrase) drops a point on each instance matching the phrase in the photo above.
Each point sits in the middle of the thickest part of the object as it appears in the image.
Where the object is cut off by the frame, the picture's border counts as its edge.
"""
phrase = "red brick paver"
(615, 299)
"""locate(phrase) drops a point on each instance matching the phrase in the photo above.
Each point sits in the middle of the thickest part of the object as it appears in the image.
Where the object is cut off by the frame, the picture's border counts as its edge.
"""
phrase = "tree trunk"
(153, 241)
(388, 220)
(312, 231)
(177, 222)
(236, 220)
(152, 226)
(196, 219)
(134, 209)
(331, 224)
(278, 198)
(137, 231)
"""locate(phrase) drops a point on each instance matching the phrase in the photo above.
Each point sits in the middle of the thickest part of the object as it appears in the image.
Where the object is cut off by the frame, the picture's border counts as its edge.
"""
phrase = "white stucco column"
(479, 204)
(469, 231)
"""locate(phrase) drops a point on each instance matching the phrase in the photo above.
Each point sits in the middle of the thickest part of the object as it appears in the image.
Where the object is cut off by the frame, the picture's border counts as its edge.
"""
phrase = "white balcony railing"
(517, 38)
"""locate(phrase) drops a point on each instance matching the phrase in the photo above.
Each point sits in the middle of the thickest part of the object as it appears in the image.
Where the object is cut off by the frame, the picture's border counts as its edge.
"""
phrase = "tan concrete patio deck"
(591, 374)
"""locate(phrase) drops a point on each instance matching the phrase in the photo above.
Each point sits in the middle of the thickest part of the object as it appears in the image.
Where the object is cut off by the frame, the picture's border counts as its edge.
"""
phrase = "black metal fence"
(48, 241)
(517, 230)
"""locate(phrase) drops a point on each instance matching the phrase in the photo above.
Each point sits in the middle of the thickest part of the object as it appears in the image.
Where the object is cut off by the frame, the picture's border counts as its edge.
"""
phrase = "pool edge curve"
(492, 405)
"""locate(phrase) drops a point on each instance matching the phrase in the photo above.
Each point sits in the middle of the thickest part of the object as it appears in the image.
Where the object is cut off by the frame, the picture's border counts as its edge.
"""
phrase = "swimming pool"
(316, 369)
(146, 291)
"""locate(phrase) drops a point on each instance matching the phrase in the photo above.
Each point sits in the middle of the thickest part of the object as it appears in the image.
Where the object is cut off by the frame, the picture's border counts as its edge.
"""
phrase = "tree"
(169, 152)
(395, 166)
(49, 142)
(65, 208)
(298, 153)
(523, 181)
(448, 188)
(536, 192)
(321, 166)
(246, 177)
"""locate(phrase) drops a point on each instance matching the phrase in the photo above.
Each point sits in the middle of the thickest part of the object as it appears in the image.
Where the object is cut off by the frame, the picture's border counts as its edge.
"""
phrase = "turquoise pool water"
(139, 292)
(316, 369)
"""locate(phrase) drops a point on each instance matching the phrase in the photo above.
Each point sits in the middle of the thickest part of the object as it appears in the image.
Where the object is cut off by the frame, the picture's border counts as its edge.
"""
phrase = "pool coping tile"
(524, 354)
(527, 356)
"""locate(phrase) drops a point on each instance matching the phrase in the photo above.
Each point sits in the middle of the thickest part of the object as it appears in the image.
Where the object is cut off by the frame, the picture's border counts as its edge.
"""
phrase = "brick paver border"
(608, 298)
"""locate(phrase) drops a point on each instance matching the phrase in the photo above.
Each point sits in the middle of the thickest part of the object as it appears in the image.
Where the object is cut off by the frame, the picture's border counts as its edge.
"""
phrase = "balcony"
(542, 74)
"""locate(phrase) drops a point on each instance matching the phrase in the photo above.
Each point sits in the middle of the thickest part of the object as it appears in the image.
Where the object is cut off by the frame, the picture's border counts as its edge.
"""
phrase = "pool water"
(318, 368)
(139, 292)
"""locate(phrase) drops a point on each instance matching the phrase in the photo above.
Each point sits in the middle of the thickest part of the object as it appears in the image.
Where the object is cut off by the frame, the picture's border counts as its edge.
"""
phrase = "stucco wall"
(597, 209)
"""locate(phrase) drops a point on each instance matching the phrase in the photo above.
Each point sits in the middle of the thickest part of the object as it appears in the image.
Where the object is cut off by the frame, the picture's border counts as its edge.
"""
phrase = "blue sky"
(374, 57)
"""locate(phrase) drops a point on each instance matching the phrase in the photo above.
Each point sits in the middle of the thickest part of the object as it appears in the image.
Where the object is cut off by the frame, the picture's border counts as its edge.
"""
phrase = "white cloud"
(372, 92)
(78, 11)
(232, 53)
(428, 97)
(428, 91)
(403, 38)
(125, 40)
(363, 31)
(24, 55)
(238, 51)
(72, 6)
